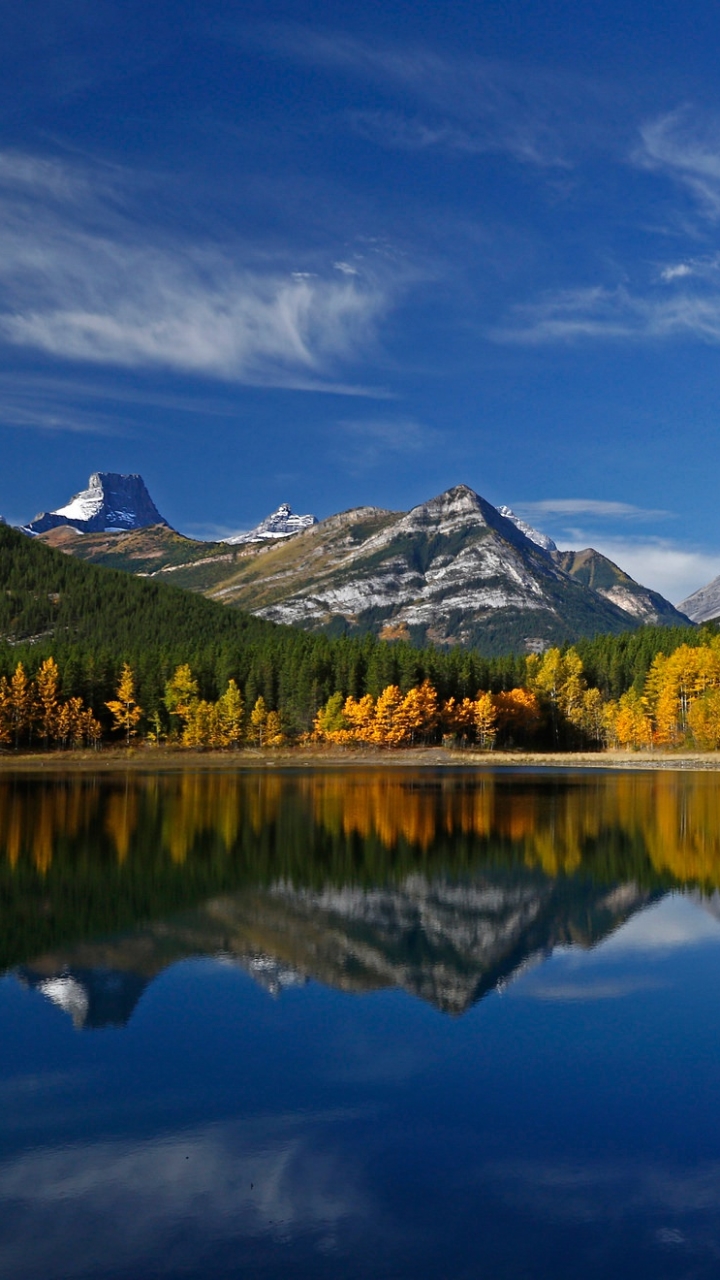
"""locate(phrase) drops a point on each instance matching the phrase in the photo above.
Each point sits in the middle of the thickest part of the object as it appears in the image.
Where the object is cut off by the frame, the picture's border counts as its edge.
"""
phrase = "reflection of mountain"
(448, 941)
(92, 997)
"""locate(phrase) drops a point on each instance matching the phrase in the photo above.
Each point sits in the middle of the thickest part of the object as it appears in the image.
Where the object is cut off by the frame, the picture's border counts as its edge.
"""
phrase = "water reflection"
(444, 885)
(528, 1088)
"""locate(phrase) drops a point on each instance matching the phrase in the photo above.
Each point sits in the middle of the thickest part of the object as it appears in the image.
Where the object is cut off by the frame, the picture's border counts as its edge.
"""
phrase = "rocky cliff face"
(111, 503)
(283, 523)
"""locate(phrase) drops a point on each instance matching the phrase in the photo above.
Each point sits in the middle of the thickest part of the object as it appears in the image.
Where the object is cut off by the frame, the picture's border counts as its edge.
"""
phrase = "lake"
(360, 1023)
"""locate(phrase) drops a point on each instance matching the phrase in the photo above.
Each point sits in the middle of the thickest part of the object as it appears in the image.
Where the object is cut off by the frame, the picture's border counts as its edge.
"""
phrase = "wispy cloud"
(614, 313)
(459, 103)
(82, 280)
(686, 146)
(589, 506)
(366, 443)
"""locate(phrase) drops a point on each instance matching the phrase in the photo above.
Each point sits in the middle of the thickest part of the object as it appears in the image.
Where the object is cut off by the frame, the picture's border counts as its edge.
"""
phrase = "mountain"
(608, 580)
(703, 605)
(282, 523)
(453, 570)
(111, 503)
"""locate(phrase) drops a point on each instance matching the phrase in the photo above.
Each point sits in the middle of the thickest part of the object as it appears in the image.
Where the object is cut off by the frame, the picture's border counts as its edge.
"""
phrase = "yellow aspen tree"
(458, 717)
(66, 723)
(518, 713)
(181, 693)
(388, 730)
(633, 727)
(592, 718)
(274, 736)
(485, 718)
(125, 710)
(330, 724)
(258, 722)
(200, 725)
(22, 699)
(704, 720)
(572, 688)
(360, 715)
(6, 731)
(47, 681)
(230, 716)
(429, 709)
(91, 729)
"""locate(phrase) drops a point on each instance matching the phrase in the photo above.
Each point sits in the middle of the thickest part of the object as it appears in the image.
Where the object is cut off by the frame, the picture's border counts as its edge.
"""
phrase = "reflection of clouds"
(159, 1202)
(571, 1191)
(572, 973)
(677, 921)
(592, 989)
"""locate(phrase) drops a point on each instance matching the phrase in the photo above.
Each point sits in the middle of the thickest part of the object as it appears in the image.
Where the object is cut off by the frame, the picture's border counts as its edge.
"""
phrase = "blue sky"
(338, 255)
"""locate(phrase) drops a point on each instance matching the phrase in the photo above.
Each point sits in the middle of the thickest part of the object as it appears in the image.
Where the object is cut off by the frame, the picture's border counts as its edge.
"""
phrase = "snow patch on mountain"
(283, 523)
(541, 539)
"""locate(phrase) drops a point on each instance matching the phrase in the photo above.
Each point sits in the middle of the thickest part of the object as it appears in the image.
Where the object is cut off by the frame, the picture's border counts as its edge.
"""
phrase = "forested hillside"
(206, 675)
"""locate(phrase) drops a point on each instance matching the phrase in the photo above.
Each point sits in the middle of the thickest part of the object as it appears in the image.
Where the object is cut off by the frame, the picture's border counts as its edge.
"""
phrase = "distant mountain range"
(454, 570)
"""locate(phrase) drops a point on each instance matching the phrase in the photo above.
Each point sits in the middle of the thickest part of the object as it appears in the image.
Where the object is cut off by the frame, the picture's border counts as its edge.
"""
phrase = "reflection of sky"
(569, 1126)
(608, 971)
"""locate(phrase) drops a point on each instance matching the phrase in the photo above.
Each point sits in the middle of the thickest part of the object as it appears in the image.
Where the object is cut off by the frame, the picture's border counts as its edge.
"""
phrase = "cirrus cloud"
(83, 278)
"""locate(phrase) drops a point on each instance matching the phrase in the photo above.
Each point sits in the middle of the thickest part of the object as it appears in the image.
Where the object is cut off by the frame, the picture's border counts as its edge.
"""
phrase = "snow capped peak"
(112, 503)
(282, 523)
(541, 539)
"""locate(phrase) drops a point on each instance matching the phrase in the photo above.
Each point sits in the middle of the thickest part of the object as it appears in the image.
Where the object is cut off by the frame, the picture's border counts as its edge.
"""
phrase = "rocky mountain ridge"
(453, 570)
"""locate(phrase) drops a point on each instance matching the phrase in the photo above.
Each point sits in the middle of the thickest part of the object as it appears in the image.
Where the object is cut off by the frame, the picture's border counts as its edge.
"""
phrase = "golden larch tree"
(125, 710)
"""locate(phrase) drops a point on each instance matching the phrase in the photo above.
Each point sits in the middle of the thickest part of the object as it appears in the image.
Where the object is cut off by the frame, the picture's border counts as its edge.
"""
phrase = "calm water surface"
(361, 1024)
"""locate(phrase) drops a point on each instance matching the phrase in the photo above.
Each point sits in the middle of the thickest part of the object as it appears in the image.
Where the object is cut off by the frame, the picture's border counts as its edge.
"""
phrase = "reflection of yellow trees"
(621, 823)
(121, 815)
(33, 821)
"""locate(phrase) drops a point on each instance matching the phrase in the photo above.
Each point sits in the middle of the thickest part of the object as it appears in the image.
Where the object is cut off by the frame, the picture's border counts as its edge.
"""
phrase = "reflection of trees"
(344, 825)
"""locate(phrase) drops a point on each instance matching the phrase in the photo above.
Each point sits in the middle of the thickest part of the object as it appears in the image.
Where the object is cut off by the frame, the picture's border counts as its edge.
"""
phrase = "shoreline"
(174, 760)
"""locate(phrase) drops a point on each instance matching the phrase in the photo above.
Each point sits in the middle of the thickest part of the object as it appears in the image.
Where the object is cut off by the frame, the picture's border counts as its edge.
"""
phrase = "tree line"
(676, 704)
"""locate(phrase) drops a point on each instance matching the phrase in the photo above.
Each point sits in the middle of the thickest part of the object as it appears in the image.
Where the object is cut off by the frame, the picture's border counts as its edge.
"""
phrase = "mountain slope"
(703, 605)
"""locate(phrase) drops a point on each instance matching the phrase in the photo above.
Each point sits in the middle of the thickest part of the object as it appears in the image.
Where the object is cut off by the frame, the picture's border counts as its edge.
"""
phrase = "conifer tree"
(181, 693)
(47, 680)
(125, 710)
(230, 716)
(258, 722)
